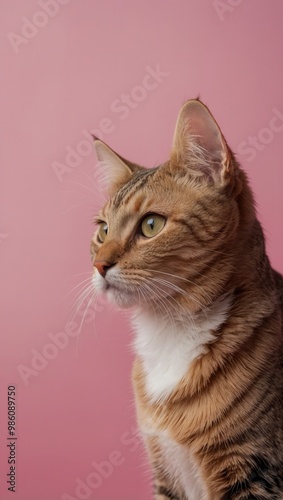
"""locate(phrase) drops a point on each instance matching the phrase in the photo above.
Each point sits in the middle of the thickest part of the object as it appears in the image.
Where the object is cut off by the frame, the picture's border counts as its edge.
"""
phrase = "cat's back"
(279, 285)
(278, 278)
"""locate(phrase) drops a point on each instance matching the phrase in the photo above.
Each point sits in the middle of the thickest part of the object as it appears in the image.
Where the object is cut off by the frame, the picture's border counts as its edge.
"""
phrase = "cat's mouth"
(120, 293)
(111, 286)
(110, 283)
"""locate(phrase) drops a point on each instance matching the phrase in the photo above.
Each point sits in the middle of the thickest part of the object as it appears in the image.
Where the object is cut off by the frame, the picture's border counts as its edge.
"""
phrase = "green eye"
(102, 232)
(152, 225)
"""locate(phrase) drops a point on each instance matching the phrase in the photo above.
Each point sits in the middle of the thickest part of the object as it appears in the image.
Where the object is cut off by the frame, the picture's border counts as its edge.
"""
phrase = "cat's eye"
(152, 225)
(102, 232)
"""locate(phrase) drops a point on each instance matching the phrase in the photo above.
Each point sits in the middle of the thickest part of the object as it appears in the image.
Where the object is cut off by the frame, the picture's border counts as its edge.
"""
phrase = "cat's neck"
(168, 344)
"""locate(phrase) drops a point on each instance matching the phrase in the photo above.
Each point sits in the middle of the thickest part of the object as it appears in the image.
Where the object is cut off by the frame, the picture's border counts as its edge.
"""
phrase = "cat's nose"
(102, 266)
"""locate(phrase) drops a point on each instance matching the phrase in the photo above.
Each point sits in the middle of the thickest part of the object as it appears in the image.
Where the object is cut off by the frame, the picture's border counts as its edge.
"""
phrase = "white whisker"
(96, 186)
(87, 188)
(79, 294)
(75, 287)
(177, 289)
(77, 303)
(69, 209)
(177, 276)
(162, 302)
(82, 320)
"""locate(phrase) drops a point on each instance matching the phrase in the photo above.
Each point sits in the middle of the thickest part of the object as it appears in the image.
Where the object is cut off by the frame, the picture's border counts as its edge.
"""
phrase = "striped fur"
(216, 431)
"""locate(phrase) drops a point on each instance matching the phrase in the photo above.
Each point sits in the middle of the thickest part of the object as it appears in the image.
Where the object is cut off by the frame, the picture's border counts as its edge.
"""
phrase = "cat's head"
(165, 237)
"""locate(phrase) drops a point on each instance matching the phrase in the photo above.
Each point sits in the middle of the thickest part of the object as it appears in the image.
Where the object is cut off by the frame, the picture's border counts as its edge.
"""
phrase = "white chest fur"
(168, 348)
(178, 463)
(182, 469)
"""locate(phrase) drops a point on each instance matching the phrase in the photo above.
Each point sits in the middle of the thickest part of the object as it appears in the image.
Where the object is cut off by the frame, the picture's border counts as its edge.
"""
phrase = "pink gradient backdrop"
(62, 80)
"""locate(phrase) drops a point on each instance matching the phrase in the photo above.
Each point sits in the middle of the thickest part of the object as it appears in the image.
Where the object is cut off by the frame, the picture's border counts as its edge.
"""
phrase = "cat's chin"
(117, 295)
(120, 298)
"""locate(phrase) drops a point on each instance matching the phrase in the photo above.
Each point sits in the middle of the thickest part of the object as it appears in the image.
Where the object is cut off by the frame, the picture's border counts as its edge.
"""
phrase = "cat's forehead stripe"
(134, 184)
(131, 187)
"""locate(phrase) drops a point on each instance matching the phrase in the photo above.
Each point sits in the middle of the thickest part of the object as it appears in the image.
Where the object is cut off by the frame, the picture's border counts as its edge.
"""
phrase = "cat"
(181, 245)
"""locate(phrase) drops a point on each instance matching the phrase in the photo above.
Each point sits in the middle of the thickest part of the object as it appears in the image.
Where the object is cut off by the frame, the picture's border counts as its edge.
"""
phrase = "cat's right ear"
(112, 170)
(200, 145)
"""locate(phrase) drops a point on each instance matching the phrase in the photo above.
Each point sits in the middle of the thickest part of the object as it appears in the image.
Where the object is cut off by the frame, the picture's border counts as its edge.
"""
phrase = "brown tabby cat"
(181, 244)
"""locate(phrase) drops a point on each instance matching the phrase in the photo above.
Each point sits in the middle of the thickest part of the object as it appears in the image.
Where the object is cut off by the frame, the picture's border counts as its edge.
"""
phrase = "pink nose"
(102, 266)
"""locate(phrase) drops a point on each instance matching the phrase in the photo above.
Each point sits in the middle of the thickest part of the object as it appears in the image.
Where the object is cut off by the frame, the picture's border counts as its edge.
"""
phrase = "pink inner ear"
(199, 144)
(202, 125)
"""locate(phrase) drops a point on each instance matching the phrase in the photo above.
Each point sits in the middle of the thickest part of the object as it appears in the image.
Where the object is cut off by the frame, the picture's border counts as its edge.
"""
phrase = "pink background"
(69, 76)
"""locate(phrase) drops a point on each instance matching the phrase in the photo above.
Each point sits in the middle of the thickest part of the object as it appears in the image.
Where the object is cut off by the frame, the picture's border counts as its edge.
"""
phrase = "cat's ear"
(199, 144)
(112, 170)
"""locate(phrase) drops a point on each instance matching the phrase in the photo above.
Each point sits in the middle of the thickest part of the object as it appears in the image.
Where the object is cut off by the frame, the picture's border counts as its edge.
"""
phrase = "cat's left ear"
(112, 171)
(200, 146)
